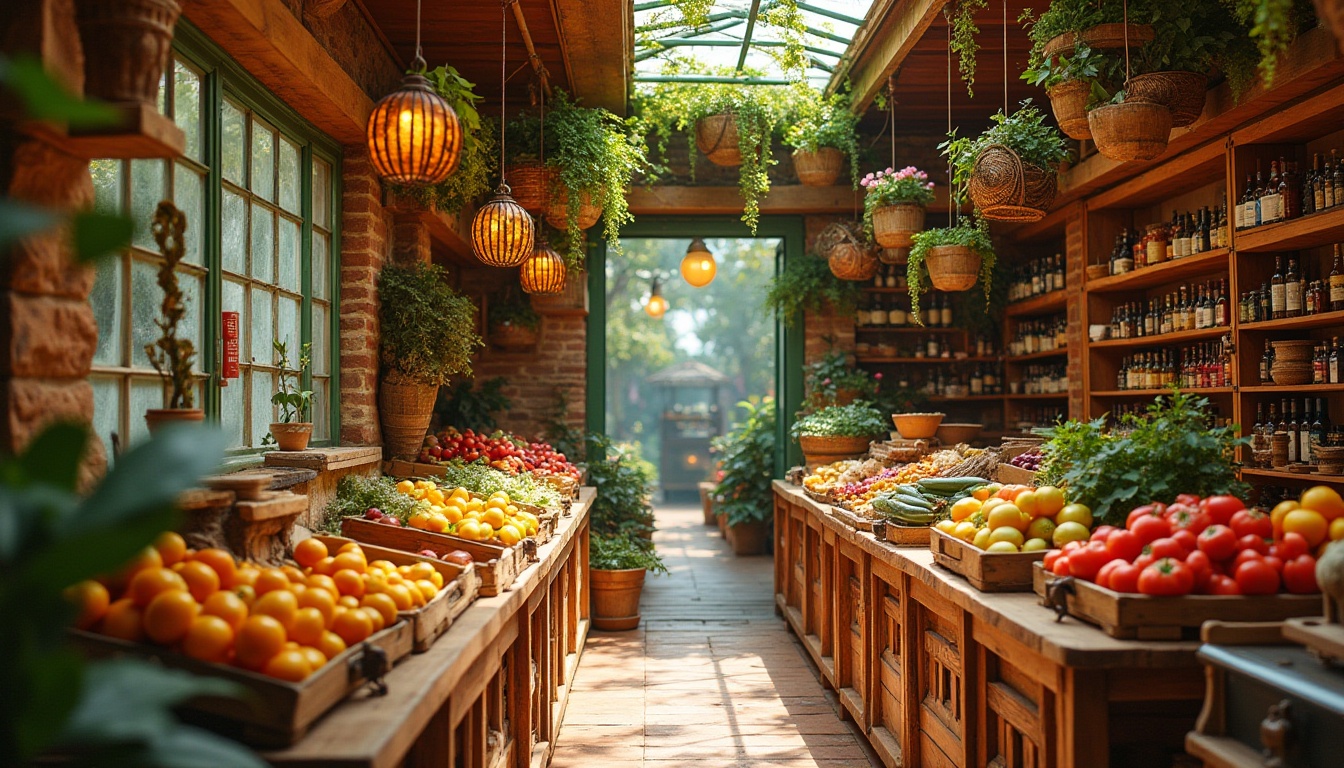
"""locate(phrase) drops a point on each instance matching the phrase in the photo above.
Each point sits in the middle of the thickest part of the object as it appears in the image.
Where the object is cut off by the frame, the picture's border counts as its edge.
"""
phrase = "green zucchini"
(948, 485)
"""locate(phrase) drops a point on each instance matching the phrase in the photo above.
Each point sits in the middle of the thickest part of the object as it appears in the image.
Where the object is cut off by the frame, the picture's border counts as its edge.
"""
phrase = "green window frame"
(255, 178)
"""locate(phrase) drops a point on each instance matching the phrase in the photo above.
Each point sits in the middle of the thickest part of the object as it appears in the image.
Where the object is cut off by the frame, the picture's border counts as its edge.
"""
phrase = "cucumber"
(912, 516)
(914, 501)
(948, 485)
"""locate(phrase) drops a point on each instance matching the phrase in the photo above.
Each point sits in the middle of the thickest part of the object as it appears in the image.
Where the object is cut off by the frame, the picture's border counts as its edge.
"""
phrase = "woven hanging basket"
(513, 337)
(557, 211)
(1181, 92)
(894, 226)
(1068, 100)
(1004, 188)
(531, 185)
(405, 408)
(952, 267)
(818, 169)
(853, 261)
(716, 136)
(895, 256)
(1102, 37)
(1134, 130)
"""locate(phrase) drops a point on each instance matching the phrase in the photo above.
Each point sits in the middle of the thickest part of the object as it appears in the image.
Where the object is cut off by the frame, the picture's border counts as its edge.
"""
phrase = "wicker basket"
(820, 168)
(1134, 130)
(833, 445)
(853, 261)
(405, 408)
(557, 210)
(513, 337)
(1181, 92)
(895, 256)
(716, 136)
(917, 426)
(1294, 351)
(1101, 36)
(952, 267)
(894, 226)
(530, 184)
(1004, 188)
(1097, 271)
(1068, 100)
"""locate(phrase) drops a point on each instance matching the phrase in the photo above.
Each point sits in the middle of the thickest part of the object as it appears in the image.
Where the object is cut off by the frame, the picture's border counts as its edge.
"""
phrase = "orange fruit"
(202, 581)
(297, 589)
(331, 645)
(171, 546)
(90, 599)
(307, 626)
(384, 604)
(352, 626)
(316, 659)
(1325, 500)
(349, 582)
(149, 583)
(223, 563)
(147, 558)
(1280, 511)
(260, 638)
(247, 593)
(321, 599)
(227, 606)
(494, 516)
(374, 616)
(209, 638)
(169, 615)
(427, 589)
(350, 546)
(308, 552)
(289, 665)
(401, 596)
(123, 620)
(271, 579)
(353, 560)
(294, 575)
(346, 601)
(279, 604)
(246, 574)
(322, 581)
(326, 566)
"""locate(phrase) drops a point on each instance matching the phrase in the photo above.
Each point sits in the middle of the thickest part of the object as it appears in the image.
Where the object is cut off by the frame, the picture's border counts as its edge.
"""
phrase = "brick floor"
(711, 675)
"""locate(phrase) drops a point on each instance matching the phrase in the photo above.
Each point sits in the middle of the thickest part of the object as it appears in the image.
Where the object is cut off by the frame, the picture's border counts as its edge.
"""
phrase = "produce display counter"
(937, 673)
(490, 692)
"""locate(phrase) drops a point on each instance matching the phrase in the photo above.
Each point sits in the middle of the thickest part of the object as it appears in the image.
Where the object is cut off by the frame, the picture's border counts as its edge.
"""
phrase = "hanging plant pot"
(1005, 188)
(716, 136)
(853, 261)
(127, 44)
(531, 185)
(952, 267)
(1101, 37)
(1134, 130)
(1181, 92)
(1068, 100)
(894, 225)
(557, 210)
(818, 169)
(293, 435)
(895, 256)
(513, 337)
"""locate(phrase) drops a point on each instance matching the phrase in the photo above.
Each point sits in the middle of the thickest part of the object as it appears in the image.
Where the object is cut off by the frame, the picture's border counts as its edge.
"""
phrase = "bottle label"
(1336, 288)
(1239, 216)
(1271, 208)
(1293, 297)
(1121, 266)
(1277, 298)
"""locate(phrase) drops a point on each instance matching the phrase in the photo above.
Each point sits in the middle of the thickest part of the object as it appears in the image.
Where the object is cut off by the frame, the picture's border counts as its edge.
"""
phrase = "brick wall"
(354, 44)
(365, 246)
(1075, 261)
(824, 331)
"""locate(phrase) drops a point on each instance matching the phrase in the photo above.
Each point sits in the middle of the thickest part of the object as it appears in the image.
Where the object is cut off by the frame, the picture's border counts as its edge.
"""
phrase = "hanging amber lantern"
(543, 273)
(656, 306)
(502, 232)
(698, 266)
(414, 135)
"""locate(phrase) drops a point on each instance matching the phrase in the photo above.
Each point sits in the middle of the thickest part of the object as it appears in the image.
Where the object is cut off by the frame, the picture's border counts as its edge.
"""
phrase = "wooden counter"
(458, 703)
(937, 673)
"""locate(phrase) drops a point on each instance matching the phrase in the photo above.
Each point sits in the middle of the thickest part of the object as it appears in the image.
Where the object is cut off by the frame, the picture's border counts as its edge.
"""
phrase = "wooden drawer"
(852, 643)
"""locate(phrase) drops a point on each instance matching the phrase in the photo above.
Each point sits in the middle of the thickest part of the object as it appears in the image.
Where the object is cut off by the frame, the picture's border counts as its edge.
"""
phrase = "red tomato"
(1050, 558)
(1124, 545)
(1299, 575)
(1252, 522)
(1293, 546)
(1166, 547)
(1104, 575)
(1187, 539)
(1187, 518)
(1221, 508)
(1144, 560)
(1218, 542)
(1273, 562)
(1147, 510)
(1243, 556)
(1220, 584)
(1125, 577)
(1101, 532)
(1187, 498)
(1166, 577)
(1150, 528)
(1061, 566)
(1202, 567)
(1252, 542)
(1070, 546)
(1256, 577)
(1084, 563)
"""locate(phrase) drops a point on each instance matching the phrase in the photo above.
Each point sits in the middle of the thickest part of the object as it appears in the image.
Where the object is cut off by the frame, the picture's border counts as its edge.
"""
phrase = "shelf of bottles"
(1035, 329)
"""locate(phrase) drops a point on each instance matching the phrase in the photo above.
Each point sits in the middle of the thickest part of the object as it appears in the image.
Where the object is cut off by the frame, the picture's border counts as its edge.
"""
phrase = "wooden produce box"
(986, 571)
(1146, 617)
(906, 535)
(412, 469)
(272, 713)
(460, 587)
(1007, 473)
(853, 520)
(496, 565)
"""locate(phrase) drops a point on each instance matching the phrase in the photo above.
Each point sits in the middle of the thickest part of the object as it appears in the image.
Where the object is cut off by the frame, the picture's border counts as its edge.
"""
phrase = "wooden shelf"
(966, 398)
(905, 329)
(1163, 339)
(1164, 391)
(1322, 320)
(1207, 263)
(929, 360)
(1036, 305)
(1260, 389)
(1309, 231)
(1049, 353)
(1275, 474)
(1045, 396)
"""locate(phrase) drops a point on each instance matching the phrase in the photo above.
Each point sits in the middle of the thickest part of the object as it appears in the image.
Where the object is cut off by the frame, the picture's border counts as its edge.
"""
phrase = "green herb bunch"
(621, 552)
(968, 233)
(477, 165)
(892, 187)
(808, 285)
(356, 494)
(858, 419)
(622, 478)
(747, 464)
(427, 328)
(1024, 132)
(1169, 450)
(827, 122)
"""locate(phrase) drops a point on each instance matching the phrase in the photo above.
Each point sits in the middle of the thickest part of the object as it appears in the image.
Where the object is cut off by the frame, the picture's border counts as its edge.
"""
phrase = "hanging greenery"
(963, 42)
(827, 122)
(1272, 25)
(968, 233)
(809, 285)
(478, 167)
(1025, 132)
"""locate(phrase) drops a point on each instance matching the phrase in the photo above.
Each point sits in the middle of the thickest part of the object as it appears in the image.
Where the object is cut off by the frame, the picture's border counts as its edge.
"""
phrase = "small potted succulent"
(822, 136)
(293, 431)
(893, 209)
(172, 357)
(949, 259)
(1068, 80)
(514, 324)
(1009, 170)
(617, 565)
(838, 431)
(747, 461)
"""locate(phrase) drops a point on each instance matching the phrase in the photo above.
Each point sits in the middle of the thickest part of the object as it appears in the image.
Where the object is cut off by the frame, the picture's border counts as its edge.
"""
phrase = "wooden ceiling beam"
(782, 199)
(597, 40)
(882, 53)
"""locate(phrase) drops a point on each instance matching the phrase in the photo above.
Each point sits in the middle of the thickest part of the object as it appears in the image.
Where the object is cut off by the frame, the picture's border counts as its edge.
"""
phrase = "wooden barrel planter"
(557, 210)
(531, 185)
(1068, 100)
(1133, 130)
(405, 408)
(1003, 187)
(127, 45)
(952, 267)
(615, 598)
(1181, 92)
(894, 226)
(513, 337)
(716, 136)
(818, 169)
(1102, 37)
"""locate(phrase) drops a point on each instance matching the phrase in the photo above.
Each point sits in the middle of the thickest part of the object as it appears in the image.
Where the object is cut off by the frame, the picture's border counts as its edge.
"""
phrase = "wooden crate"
(986, 571)
(496, 565)
(907, 535)
(272, 713)
(460, 587)
(854, 521)
(1007, 473)
(1146, 617)
(403, 468)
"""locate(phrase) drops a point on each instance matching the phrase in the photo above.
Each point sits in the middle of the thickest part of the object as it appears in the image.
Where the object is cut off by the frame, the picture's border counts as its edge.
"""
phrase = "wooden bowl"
(914, 426)
(951, 434)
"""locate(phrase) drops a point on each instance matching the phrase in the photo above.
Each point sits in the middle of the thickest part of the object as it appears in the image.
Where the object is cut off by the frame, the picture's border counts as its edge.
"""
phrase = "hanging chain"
(1005, 58)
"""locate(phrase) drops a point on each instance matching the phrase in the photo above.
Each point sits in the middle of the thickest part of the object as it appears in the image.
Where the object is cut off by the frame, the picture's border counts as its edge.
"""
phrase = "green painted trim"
(595, 394)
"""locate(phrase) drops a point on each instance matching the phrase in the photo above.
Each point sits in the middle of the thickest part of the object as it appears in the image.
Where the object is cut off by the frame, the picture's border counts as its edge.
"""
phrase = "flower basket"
(405, 408)
(1181, 92)
(833, 445)
(1101, 37)
(852, 261)
(1134, 130)
(531, 185)
(127, 44)
(557, 210)
(895, 256)
(894, 225)
(820, 168)
(513, 337)
(952, 267)
(716, 136)
(1004, 188)
(1068, 101)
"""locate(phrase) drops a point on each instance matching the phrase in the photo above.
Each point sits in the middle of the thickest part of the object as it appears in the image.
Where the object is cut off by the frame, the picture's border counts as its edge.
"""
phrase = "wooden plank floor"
(711, 675)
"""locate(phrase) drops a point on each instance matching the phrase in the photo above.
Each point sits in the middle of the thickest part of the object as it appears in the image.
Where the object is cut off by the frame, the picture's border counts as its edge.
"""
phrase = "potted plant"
(808, 285)
(514, 324)
(1128, 129)
(1068, 80)
(622, 478)
(1009, 170)
(833, 380)
(747, 459)
(1192, 40)
(838, 431)
(172, 357)
(476, 166)
(427, 335)
(291, 434)
(617, 565)
(822, 136)
(127, 44)
(1099, 25)
(893, 209)
(848, 253)
(949, 259)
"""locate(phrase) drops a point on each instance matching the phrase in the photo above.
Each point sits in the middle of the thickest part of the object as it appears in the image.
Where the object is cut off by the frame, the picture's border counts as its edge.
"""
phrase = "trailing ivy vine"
(963, 42)
(827, 122)
(809, 285)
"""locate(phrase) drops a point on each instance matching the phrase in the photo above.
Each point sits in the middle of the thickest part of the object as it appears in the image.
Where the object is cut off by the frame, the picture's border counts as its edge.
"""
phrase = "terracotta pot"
(557, 210)
(722, 519)
(820, 168)
(1102, 37)
(716, 136)
(127, 45)
(1068, 100)
(615, 598)
(513, 337)
(952, 267)
(894, 226)
(1134, 130)
(1181, 92)
(405, 408)
(292, 436)
(749, 538)
(158, 417)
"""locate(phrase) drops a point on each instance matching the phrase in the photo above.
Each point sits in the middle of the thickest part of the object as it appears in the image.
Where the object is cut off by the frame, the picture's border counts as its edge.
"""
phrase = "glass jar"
(1156, 244)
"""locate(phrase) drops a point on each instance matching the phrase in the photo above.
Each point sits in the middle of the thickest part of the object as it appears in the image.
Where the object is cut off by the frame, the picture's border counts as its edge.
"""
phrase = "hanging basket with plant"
(530, 182)
(1097, 24)
(1125, 130)
(949, 259)
(808, 285)
(1068, 80)
(848, 253)
(1192, 40)
(717, 137)
(893, 209)
(514, 324)
(1009, 170)
(822, 136)
(477, 164)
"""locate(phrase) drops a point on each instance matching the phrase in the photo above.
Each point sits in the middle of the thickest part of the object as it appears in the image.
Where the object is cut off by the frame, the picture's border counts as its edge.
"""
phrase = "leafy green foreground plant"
(968, 233)
(858, 419)
(807, 284)
(1169, 450)
(622, 479)
(747, 462)
(356, 494)
(622, 552)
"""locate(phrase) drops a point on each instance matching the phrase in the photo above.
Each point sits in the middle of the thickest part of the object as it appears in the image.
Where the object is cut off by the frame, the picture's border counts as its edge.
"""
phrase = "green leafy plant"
(473, 405)
(1170, 449)
(967, 233)
(963, 42)
(1064, 16)
(512, 308)
(891, 187)
(623, 552)
(1024, 132)
(621, 477)
(172, 357)
(477, 165)
(825, 378)
(427, 328)
(1086, 64)
(858, 419)
(827, 122)
(356, 494)
(1272, 25)
(808, 285)
(747, 464)
(295, 403)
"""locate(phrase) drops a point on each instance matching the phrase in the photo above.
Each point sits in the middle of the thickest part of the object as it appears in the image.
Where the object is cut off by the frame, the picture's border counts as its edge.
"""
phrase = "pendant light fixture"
(413, 134)
(656, 306)
(698, 266)
(544, 272)
(502, 232)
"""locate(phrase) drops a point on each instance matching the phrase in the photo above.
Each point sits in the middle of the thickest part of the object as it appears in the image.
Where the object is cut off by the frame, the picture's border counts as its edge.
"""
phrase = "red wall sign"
(229, 365)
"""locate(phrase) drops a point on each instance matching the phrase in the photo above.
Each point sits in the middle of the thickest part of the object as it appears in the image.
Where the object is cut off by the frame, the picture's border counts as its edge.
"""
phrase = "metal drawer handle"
(1275, 730)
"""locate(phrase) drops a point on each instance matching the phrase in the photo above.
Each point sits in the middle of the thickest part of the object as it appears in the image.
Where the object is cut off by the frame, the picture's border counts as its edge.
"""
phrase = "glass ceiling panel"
(713, 36)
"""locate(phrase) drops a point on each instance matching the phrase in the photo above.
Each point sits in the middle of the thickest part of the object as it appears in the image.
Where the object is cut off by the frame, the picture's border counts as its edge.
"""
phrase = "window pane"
(231, 413)
(263, 161)
(162, 100)
(190, 327)
(321, 324)
(188, 195)
(106, 410)
(263, 244)
(289, 176)
(290, 276)
(107, 184)
(233, 222)
(321, 265)
(262, 410)
(187, 107)
(321, 409)
(146, 393)
(233, 141)
(146, 192)
(321, 194)
(145, 300)
(287, 325)
(106, 301)
(232, 298)
(260, 349)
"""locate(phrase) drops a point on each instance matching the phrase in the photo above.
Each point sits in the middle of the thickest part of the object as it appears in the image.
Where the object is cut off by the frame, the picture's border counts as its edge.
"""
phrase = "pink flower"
(877, 376)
